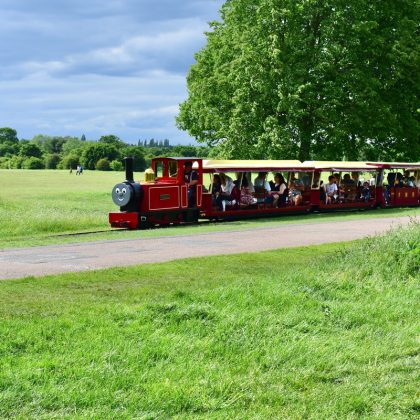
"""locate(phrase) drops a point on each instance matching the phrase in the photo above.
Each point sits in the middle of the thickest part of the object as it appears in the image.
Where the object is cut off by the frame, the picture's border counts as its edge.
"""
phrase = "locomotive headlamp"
(122, 194)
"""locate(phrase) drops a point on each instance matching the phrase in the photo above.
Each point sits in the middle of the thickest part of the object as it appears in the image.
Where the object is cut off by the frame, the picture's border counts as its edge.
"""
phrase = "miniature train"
(184, 190)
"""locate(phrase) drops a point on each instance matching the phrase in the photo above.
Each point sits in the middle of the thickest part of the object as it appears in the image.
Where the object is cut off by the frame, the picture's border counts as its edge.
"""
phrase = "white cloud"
(97, 67)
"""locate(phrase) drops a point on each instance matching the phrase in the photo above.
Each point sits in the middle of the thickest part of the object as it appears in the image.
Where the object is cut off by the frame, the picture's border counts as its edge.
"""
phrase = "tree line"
(309, 79)
(55, 152)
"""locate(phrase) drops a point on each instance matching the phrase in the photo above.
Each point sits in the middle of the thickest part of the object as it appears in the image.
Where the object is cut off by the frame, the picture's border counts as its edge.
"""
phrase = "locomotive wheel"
(145, 225)
(191, 215)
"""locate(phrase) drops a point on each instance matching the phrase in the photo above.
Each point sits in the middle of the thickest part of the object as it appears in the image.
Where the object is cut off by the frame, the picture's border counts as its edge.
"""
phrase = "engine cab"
(170, 193)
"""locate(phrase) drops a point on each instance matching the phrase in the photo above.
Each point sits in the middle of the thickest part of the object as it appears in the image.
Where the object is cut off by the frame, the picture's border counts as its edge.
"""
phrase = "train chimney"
(129, 167)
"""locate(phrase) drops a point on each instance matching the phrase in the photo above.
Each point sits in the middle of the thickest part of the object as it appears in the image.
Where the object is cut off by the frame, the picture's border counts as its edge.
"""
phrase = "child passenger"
(295, 193)
(331, 190)
(246, 198)
(365, 192)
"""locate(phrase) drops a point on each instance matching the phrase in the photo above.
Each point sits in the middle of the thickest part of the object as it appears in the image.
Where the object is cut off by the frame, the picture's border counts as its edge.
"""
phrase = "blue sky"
(69, 67)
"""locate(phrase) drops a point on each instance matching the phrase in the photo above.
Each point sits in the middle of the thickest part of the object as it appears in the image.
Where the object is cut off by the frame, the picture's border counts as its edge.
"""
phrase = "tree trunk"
(350, 147)
(305, 139)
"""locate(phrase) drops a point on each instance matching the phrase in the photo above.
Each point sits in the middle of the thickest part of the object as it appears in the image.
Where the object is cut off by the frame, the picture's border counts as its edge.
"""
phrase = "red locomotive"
(182, 190)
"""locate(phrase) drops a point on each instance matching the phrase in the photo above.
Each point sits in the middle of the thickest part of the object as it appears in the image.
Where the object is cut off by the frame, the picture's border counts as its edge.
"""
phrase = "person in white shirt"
(261, 182)
(331, 190)
(225, 195)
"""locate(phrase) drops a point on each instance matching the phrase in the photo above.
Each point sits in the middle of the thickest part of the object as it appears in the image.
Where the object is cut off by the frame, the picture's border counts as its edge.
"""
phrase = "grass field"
(321, 332)
(36, 205)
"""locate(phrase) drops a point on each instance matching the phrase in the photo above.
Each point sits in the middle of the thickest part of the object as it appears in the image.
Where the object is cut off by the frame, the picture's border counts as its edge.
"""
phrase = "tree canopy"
(67, 152)
(308, 79)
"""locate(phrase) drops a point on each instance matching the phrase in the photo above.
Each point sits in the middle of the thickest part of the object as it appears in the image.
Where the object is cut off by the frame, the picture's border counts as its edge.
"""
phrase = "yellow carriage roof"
(254, 165)
(396, 165)
(341, 166)
(296, 165)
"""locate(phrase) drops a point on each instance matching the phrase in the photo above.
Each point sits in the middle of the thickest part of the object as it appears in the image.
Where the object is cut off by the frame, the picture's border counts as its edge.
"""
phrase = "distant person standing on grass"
(71, 170)
(78, 170)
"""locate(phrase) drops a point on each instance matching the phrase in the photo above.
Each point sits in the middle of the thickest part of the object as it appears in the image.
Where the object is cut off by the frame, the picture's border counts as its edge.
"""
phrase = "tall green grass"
(43, 202)
(321, 332)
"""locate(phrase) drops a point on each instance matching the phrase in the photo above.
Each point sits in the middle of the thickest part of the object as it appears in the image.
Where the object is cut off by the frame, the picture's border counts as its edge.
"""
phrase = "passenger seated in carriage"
(399, 180)
(240, 177)
(279, 190)
(365, 194)
(347, 180)
(331, 190)
(262, 187)
(337, 179)
(295, 193)
(322, 193)
(246, 198)
(215, 188)
(228, 192)
(347, 188)
(411, 183)
(355, 178)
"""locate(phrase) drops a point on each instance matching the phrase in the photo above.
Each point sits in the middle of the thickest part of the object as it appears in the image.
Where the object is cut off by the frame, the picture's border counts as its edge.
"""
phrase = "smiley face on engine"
(122, 194)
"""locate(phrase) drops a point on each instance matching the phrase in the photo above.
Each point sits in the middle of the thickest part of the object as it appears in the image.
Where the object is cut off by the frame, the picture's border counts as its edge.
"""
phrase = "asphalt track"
(54, 259)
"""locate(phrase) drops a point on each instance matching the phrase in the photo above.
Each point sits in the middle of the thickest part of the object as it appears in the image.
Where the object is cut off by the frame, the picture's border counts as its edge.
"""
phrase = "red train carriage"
(250, 170)
(350, 178)
(177, 190)
(393, 188)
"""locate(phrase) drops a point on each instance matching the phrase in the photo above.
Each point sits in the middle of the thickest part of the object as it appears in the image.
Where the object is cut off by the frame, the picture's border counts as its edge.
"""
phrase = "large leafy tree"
(9, 143)
(93, 152)
(308, 79)
(29, 149)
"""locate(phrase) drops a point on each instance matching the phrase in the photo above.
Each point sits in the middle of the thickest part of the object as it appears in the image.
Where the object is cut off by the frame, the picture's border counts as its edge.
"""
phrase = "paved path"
(53, 259)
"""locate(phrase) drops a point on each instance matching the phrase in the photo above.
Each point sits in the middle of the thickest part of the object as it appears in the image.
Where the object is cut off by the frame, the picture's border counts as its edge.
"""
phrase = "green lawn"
(35, 206)
(329, 331)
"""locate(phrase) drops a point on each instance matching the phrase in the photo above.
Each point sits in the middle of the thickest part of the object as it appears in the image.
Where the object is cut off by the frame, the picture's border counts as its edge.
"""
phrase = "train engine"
(163, 198)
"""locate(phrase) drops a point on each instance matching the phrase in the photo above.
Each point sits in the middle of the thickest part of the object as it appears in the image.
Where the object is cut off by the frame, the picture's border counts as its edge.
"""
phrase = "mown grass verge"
(319, 332)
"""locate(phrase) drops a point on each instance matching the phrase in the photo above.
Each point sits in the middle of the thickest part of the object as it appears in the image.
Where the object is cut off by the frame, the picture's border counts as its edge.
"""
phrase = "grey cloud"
(93, 66)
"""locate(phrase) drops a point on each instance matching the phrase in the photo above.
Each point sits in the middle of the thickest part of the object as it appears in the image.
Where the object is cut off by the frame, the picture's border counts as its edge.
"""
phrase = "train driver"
(191, 179)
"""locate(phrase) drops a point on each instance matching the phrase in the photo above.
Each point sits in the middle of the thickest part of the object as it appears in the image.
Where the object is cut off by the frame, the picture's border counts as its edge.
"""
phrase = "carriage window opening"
(417, 176)
(158, 169)
(373, 179)
(306, 178)
(172, 169)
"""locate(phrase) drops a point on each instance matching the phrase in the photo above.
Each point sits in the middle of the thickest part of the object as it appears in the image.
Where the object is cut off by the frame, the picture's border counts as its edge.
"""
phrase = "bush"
(30, 150)
(33, 163)
(116, 165)
(8, 149)
(70, 161)
(95, 152)
(51, 161)
(4, 163)
(16, 162)
(103, 165)
(137, 152)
